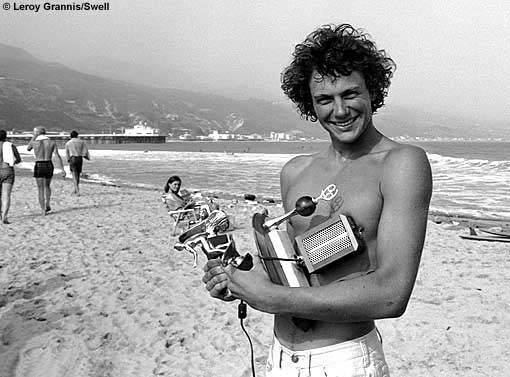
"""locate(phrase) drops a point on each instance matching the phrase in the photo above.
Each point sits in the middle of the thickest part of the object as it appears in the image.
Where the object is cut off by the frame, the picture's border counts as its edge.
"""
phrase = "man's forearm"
(360, 299)
(61, 163)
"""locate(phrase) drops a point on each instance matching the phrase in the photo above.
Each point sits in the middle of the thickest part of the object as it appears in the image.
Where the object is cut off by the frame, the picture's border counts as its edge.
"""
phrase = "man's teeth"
(345, 124)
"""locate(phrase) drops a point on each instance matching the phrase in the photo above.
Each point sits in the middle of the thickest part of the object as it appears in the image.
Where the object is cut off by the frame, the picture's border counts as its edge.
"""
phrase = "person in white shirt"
(76, 151)
(9, 157)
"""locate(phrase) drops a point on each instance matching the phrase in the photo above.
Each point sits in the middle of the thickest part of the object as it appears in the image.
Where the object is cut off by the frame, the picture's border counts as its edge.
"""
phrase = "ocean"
(471, 179)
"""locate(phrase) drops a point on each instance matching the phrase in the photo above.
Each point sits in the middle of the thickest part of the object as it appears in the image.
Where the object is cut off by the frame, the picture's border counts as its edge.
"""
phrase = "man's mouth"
(346, 123)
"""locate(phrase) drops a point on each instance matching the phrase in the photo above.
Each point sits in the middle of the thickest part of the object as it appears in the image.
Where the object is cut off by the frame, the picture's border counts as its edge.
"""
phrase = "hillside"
(35, 92)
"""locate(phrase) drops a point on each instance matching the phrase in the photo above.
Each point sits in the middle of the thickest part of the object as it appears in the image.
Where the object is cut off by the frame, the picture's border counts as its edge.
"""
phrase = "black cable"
(241, 314)
(282, 259)
(298, 260)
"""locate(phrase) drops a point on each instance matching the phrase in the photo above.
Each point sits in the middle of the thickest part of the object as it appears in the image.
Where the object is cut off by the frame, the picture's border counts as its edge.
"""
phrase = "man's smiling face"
(342, 105)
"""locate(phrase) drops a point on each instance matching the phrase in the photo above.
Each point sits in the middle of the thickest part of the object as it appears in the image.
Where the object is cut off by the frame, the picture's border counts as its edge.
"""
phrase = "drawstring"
(379, 336)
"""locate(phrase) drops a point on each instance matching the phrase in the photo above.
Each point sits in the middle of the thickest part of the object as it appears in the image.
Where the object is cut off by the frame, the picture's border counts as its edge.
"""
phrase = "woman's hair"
(336, 51)
(3, 135)
(172, 179)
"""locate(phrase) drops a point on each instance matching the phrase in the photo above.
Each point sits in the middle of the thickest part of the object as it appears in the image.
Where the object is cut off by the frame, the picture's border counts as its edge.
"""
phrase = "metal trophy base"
(275, 243)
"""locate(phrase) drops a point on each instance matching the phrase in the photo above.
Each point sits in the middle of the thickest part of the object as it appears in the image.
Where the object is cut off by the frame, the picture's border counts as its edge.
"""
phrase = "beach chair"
(189, 216)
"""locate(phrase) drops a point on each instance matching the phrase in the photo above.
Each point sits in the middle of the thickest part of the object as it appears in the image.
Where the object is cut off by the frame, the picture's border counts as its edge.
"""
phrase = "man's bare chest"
(359, 195)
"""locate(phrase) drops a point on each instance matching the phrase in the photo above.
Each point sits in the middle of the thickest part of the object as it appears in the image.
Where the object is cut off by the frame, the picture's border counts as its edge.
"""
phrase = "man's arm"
(32, 140)
(86, 150)
(68, 153)
(59, 159)
(406, 189)
(17, 157)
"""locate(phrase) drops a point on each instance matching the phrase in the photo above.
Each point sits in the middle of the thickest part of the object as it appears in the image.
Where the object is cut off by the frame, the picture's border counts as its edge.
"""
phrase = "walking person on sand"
(76, 151)
(339, 78)
(44, 148)
(9, 157)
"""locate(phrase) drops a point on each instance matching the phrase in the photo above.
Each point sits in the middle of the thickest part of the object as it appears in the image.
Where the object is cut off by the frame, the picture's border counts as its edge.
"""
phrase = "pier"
(21, 139)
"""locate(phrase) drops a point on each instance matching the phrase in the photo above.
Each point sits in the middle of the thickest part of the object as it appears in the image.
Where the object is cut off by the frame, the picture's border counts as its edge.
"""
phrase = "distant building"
(279, 136)
(142, 128)
(254, 137)
(187, 136)
(215, 135)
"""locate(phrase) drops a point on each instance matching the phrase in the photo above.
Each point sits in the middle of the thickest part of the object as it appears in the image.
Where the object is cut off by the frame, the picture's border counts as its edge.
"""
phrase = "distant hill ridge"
(35, 92)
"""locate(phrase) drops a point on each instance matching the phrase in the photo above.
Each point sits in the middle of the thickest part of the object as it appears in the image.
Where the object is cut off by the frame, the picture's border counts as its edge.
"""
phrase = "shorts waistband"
(351, 349)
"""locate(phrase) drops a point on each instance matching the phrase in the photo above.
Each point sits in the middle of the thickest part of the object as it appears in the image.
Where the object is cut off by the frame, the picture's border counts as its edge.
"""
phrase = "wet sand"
(96, 289)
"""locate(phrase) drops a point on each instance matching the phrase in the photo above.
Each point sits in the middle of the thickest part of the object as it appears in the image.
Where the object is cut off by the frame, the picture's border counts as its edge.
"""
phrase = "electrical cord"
(241, 314)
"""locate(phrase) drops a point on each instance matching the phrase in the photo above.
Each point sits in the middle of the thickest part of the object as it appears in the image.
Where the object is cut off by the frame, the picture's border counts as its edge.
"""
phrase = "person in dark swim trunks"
(76, 151)
(43, 169)
(9, 157)
(76, 164)
(44, 148)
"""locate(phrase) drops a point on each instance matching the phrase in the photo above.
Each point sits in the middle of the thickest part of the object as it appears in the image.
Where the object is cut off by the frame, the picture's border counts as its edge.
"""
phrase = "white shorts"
(360, 357)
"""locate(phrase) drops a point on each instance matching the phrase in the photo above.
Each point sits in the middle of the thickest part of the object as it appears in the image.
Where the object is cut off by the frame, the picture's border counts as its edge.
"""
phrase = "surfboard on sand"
(496, 233)
(474, 236)
(485, 238)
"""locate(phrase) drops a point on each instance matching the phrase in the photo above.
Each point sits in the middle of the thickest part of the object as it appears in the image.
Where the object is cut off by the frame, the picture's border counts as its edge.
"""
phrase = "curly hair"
(336, 51)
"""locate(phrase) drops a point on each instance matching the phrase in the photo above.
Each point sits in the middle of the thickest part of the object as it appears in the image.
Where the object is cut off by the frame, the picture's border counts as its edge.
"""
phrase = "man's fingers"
(223, 293)
(227, 295)
(216, 280)
(218, 270)
(211, 263)
(220, 290)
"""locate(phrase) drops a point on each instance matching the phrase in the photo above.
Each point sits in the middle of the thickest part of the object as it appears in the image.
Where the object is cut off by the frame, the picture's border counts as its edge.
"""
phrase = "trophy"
(209, 237)
(315, 249)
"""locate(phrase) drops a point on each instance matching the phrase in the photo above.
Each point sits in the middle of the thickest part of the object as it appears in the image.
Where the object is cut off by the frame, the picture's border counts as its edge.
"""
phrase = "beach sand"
(96, 289)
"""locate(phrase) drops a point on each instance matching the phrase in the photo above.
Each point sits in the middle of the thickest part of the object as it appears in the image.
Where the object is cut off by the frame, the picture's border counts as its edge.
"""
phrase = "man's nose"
(340, 108)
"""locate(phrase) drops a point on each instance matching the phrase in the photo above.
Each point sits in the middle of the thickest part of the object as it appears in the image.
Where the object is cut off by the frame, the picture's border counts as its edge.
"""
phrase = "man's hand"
(229, 283)
(63, 173)
(253, 286)
(216, 280)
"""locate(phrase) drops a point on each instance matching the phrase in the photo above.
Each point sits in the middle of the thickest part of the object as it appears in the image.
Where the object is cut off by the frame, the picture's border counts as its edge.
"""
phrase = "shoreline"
(435, 216)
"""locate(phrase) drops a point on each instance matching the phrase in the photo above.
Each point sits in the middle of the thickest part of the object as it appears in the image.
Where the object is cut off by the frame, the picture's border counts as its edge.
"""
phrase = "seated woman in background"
(173, 199)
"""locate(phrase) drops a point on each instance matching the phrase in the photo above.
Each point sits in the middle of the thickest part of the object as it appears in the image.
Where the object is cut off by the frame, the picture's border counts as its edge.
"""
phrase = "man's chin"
(345, 137)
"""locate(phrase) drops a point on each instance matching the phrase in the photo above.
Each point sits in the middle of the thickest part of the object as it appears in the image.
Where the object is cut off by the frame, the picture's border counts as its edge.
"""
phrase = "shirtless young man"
(339, 78)
(44, 148)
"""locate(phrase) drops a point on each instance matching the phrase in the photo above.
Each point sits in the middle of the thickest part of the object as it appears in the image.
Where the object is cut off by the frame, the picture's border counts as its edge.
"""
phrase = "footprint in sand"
(53, 355)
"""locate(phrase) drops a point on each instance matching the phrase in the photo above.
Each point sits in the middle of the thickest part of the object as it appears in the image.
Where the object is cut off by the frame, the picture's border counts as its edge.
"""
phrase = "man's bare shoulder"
(407, 166)
(298, 164)
(405, 154)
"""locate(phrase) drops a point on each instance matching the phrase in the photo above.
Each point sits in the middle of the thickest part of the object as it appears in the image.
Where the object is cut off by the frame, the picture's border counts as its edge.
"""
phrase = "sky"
(452, 56)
